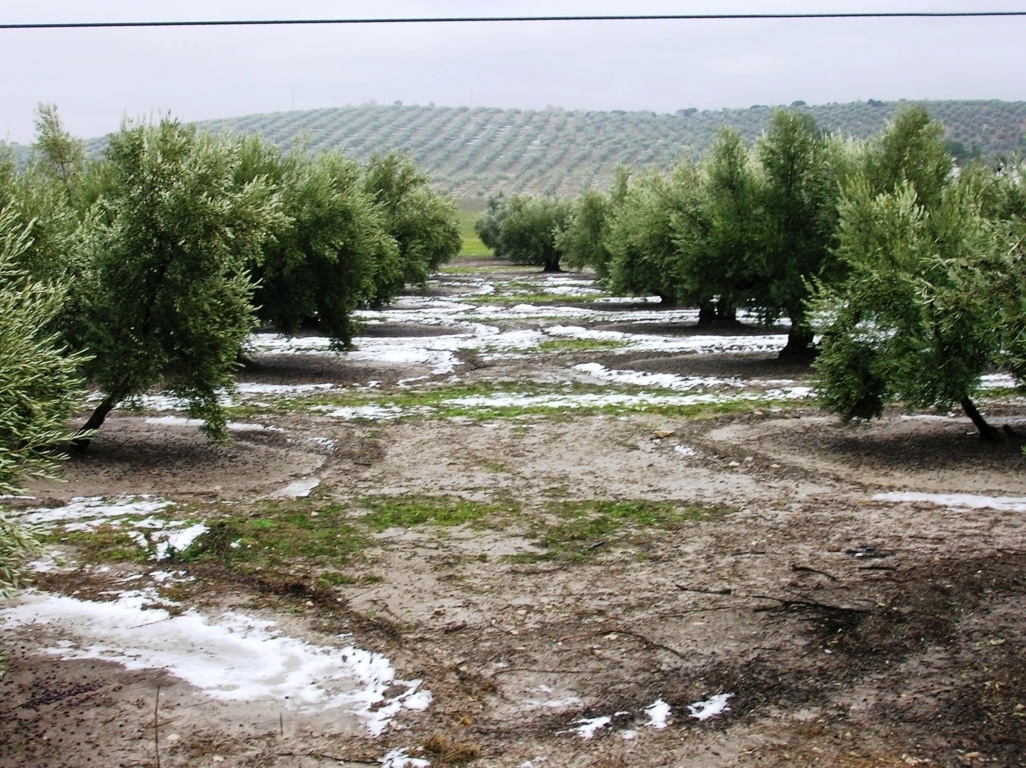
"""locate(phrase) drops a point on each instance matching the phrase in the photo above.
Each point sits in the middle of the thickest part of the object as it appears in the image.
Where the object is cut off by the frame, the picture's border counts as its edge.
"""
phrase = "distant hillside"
(474, 153)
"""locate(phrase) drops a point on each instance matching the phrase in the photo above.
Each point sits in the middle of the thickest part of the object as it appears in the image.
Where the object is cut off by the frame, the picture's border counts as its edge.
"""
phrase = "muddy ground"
(848, 630)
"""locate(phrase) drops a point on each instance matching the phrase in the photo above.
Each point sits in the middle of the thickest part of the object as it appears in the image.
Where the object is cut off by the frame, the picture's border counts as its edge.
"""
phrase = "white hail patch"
(233, 657)
(963, 500)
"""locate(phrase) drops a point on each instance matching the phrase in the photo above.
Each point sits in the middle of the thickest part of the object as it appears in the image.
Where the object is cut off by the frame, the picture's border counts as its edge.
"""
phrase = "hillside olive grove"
(898, 272)
(481, 151)
(477, 152)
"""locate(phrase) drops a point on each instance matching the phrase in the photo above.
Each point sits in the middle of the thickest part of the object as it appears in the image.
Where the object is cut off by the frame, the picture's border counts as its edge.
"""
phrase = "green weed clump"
(445, 511)
(278, 534)
(585, 527)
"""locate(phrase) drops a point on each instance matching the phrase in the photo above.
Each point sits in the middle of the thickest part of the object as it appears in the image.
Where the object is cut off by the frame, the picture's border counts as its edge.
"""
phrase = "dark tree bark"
(987, 432)
(550, 262)
(799, 345)
(726, 313)
(706, 313)
(85, 434)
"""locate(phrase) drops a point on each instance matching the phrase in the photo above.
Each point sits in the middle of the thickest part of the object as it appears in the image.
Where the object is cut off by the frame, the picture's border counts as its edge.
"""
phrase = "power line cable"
(510, 19)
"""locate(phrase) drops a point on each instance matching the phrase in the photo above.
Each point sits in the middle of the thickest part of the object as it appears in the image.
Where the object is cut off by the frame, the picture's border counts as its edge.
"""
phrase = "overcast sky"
(97, 77)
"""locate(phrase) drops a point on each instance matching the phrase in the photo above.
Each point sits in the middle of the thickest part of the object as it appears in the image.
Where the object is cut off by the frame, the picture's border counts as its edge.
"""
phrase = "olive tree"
(166, 299)
(528, 234)
(725, 261)
(328, 252)
(39, 385)
(424, 224)
(585, 238)
(918, 318)
(644, 256)
(488, 225)
(799, 194)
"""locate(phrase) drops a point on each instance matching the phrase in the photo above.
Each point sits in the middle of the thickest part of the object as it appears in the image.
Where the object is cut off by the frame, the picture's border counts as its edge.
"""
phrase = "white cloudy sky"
(96, 77)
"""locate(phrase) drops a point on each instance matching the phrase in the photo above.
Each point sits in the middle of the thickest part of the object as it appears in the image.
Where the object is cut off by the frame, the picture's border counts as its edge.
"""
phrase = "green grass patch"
(724, 407)
(105, 543)
(580, 345)
(472, 245)
(586, 527)
(330, 579)
(277, 534)
(409, 511)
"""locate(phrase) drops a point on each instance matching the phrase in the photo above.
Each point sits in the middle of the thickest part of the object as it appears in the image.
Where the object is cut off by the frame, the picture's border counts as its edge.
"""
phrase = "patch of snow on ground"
(968, 500)
(169, 541)
(436, 352)
(511, 400)
(472, 330)
(368, 412)
(179, 421)
(89, 512)
(589, 726)
(299, 489)
(48, 563)
(234, 657)
(703, 710)
(582, 290)
(256, 388)
(275, 344)
(658, 714)
(661, 380)
(322, 442)
(175, 577)
(398, 758)
(998, 380)
(161, 537)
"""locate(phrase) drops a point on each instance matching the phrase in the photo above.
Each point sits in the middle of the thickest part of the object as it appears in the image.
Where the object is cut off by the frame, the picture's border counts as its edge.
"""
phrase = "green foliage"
(16, 546)
(38, 201)
(328, 253)
(424, 224)
(489, 224)
(39, 385)
(914, 320)
(934, 292)
(586, 234)
(166, 296)
(61, 156)
(643, 236)
(799, 209)
(529, 229)
(724, 241)
(910, 151)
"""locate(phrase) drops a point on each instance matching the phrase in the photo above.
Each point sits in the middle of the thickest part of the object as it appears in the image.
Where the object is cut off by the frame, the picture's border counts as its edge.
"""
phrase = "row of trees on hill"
(150, 266)
(907, 271)
(478, 152)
